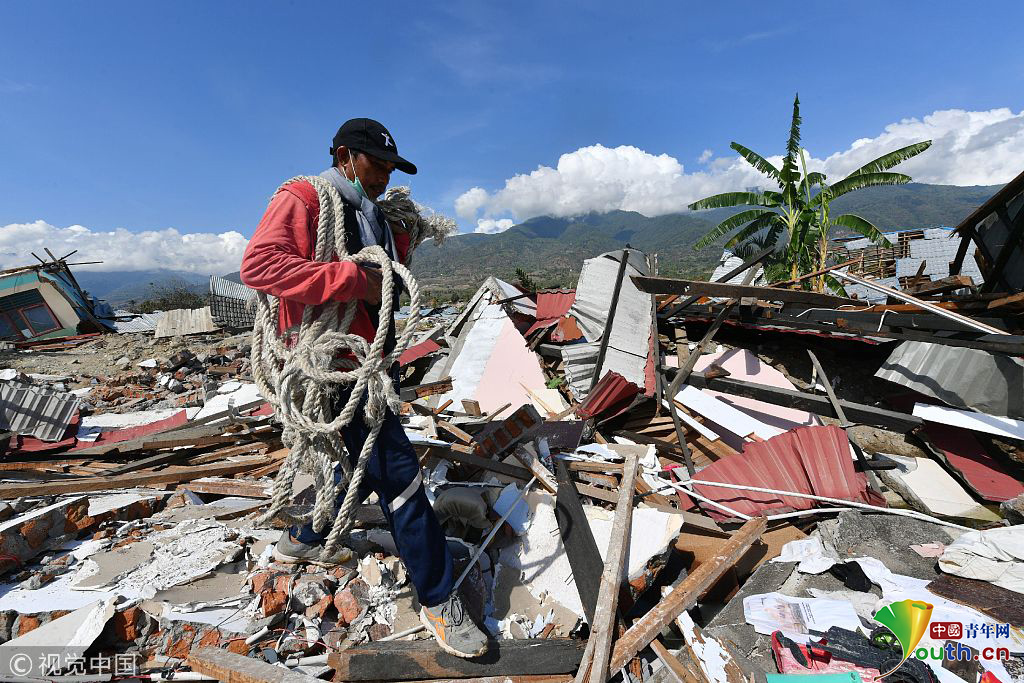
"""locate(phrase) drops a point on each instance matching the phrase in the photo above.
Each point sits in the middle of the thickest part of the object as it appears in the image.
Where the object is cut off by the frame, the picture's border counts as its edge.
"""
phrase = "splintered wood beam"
(441, 386)
(167, 476)
(229, 667)
(686, 594)
(602, 630)
(664, 285)
(527, 454)
(487, 463)
(400, 660)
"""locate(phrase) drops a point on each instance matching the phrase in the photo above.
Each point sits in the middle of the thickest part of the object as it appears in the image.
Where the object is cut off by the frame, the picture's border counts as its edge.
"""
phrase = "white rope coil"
(303, 379)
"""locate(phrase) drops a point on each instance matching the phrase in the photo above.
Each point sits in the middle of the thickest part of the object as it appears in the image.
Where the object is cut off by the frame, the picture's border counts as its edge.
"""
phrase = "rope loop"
(302, 380)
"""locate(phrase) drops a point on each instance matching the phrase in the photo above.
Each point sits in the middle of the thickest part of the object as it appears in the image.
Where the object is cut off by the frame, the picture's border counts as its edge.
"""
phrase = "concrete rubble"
(722, 486)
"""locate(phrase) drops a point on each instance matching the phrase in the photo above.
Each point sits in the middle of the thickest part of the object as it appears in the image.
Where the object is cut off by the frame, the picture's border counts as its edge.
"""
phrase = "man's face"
(373, 173)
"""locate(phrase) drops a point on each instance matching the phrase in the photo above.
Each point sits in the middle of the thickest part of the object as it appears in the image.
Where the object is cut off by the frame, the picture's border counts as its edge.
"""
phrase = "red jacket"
(279, 261)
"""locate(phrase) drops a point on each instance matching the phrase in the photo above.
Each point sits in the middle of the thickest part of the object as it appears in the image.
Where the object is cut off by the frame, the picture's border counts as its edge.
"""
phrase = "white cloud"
(705, 156)
(489, 226)
(969, 148)
(123, 250)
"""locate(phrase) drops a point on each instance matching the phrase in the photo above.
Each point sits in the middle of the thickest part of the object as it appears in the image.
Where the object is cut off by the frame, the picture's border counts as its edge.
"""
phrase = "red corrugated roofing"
(966, 455)
(551, 305)
(417, 351)
(555, 303)
(813, 460)
(609, 397)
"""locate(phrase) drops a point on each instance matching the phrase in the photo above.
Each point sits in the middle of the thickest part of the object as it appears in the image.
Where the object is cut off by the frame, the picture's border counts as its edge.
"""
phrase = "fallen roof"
(810, 460)
(37, 412)
(963, 378)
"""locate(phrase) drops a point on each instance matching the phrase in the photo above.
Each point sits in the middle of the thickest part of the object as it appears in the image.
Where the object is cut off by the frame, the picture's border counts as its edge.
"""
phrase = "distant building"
(45, 301)
(926, 250)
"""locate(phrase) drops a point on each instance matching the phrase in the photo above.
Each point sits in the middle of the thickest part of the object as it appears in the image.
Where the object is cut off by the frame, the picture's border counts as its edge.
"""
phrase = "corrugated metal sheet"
(523, 305)
(612, 395)
(814, 460)
(36, 412)
(231, 303)
(143, 322)
(551, 306)
(963, 378)
(417, 351)
(727, 262)
(233, 290)
(554, 303)
(629, 346)
(185, 321)
(979, 470)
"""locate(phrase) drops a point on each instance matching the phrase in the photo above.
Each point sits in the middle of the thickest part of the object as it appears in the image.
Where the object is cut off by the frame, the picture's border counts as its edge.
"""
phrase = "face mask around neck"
(356, 183)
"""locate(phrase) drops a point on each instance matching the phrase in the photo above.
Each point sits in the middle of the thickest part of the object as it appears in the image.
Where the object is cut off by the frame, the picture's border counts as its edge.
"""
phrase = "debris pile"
(640, 479)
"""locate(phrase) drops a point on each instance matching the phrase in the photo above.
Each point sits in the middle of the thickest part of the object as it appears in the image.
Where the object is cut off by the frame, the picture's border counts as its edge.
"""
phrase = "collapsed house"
(641, 479)
(44, 301)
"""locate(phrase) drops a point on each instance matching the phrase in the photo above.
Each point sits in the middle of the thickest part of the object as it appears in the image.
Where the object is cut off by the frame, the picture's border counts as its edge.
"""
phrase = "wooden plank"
(1003, 605)
(946, 284)
(231, 451)
(441, 386)
(580, 547)
(152, 441)
(488, 464)
(472, 407)
(686, 594)
(1007, 301)
(527, 455)
(675, 668)
(244, 489)
(423, 659)
(582, 466)
(664, 285)
(458, 433)
(602, 630)
(229, 667)
(168, 476)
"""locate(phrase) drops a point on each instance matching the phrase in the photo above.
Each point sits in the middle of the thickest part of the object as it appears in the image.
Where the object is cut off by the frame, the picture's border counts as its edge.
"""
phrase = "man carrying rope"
(280, 261)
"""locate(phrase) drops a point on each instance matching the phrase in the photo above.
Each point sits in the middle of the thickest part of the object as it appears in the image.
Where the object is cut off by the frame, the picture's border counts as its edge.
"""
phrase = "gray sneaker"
(454, 630)
(290, 551)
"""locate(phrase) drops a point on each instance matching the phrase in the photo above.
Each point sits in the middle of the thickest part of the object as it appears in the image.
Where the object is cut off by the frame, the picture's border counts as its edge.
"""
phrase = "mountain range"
(552, 250)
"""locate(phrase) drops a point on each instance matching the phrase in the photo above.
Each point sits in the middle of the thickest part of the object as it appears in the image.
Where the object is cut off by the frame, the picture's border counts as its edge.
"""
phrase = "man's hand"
(374, 278)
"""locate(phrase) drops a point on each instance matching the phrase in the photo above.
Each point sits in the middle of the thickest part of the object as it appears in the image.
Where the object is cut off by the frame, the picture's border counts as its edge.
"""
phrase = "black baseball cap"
(371, 137)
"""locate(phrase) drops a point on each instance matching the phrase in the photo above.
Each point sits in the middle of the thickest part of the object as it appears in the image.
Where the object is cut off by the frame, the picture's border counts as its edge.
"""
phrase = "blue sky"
(185, 116)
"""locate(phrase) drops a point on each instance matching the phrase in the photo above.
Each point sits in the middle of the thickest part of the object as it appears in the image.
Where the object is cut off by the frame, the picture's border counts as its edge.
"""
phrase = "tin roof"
(36, 412)
(233, 290)
(814, 460)
(417, 351)
(185, 321)
(142, 322)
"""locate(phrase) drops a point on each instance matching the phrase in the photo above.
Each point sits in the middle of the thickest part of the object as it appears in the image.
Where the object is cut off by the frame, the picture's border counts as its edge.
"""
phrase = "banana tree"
(795, 218)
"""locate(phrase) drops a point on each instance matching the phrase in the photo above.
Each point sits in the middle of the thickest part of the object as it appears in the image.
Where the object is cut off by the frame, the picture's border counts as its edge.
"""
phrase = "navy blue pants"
(393, 473)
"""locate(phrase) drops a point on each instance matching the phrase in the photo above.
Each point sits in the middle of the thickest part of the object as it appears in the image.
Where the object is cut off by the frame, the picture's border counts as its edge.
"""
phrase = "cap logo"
(387, 140)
